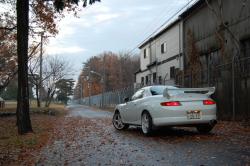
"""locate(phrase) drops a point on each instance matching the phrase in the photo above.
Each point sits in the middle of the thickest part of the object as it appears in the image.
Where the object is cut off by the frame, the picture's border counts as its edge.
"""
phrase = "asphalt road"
(86, 137)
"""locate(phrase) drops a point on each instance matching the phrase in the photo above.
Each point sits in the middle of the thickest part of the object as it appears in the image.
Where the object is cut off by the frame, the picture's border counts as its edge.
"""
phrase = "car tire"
(204, 129)
(146, 124)
(117, 122)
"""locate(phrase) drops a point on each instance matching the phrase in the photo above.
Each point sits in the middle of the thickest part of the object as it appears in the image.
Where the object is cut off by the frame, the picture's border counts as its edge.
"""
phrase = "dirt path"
(87, 137)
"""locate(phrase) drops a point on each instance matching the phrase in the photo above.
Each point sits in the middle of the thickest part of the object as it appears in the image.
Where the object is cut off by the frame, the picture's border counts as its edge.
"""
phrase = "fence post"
(233, 85)
(119, 94)
(208, 75)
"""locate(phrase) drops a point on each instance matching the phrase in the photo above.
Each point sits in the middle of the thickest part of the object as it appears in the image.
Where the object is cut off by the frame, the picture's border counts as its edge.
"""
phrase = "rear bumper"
(173, 116)
(177, 121)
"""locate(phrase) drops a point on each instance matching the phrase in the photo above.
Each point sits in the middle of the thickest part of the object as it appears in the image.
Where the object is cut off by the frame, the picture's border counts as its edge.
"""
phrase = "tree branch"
(8, 29)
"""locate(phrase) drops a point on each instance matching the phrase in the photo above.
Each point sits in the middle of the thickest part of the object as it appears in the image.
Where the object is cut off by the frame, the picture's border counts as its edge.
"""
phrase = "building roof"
(138, 71)
(187, 12)
(169, 26)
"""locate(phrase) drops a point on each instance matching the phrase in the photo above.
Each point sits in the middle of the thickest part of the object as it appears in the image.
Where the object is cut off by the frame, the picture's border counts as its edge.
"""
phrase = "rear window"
(176, 92)
(158, 90)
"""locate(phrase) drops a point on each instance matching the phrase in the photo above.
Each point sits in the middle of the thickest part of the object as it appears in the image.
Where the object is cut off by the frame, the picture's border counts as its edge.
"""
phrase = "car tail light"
(171, 103)
(208, 102)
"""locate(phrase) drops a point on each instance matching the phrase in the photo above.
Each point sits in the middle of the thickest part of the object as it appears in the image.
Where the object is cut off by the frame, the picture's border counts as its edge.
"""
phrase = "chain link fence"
(232, 82)
(108, 99)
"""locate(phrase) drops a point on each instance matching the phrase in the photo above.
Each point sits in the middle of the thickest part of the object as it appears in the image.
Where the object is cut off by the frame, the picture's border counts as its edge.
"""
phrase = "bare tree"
(55, 69)
(128, 65)
(34, 77)
(22, 12)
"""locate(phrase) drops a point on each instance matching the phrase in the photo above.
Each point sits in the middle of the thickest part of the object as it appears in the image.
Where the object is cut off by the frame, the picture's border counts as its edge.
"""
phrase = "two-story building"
(161, 56)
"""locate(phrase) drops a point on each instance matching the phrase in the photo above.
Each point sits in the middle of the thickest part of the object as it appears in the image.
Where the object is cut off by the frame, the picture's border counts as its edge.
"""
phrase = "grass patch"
(54, 109)
(14, 148)
(20, 149)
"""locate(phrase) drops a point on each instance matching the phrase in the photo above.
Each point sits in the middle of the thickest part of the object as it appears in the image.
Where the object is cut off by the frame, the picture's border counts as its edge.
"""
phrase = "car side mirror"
(126, 99)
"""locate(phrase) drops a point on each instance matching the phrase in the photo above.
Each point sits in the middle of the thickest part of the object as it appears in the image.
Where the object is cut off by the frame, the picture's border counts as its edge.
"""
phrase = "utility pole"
(104, 81)
(41, 71)
(81, 91)
(89, 86)
(233, 86)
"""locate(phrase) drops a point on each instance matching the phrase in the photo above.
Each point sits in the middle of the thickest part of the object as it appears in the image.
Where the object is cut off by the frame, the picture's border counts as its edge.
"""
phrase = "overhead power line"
(155, 21)
(164, 24)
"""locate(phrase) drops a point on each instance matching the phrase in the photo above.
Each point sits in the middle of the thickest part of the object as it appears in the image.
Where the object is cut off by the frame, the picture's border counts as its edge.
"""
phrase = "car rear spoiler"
(206, 91)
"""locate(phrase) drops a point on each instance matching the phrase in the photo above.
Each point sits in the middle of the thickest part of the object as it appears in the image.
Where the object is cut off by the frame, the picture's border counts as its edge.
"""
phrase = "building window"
(150, 79)
(160, 80)
(245, 67)
(142, 80)
(172, 72)
(146, 80)
(214, 58)
(154, 77)
(245, 48)
(145, 53)
(163, 48)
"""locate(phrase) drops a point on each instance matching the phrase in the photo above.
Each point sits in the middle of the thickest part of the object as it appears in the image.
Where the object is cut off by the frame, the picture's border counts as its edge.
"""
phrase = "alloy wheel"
(117, 121)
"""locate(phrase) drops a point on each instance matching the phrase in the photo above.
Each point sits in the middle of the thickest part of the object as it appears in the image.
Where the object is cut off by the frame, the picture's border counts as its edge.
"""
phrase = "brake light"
(208, 102)
(171, 103)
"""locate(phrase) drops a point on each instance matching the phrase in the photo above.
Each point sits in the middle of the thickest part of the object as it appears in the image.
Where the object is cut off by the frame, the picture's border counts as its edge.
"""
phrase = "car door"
(132, 110)
(140, 105)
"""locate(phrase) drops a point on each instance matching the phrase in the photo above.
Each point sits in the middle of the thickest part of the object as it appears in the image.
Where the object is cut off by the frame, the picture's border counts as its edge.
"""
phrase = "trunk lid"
(189, 97)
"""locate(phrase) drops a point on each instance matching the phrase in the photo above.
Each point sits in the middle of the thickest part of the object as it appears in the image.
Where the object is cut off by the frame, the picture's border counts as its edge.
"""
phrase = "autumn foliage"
(116, 71)
(43, 19)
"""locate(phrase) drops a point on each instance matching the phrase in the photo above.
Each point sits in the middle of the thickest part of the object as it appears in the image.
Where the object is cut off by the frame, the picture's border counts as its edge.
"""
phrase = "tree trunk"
(22, 112)
(49, 98)
(38, 97)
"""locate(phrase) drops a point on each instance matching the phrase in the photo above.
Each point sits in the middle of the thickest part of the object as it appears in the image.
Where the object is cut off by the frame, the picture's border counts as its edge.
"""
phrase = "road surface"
(86, 137)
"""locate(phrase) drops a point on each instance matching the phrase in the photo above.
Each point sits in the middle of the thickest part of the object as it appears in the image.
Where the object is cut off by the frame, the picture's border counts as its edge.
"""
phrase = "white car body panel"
(168, 116)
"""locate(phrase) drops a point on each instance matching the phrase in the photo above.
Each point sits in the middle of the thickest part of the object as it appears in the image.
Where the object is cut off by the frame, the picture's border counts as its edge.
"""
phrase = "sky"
(112, 25)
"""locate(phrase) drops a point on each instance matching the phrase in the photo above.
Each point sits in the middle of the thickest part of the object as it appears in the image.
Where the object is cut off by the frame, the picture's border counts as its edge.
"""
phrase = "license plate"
(194, 114)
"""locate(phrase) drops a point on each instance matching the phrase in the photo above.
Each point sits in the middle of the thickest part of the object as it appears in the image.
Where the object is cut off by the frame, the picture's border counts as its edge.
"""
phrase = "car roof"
(148, 87)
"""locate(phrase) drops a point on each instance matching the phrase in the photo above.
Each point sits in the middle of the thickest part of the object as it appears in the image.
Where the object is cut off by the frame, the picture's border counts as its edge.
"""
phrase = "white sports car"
(156, 106)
